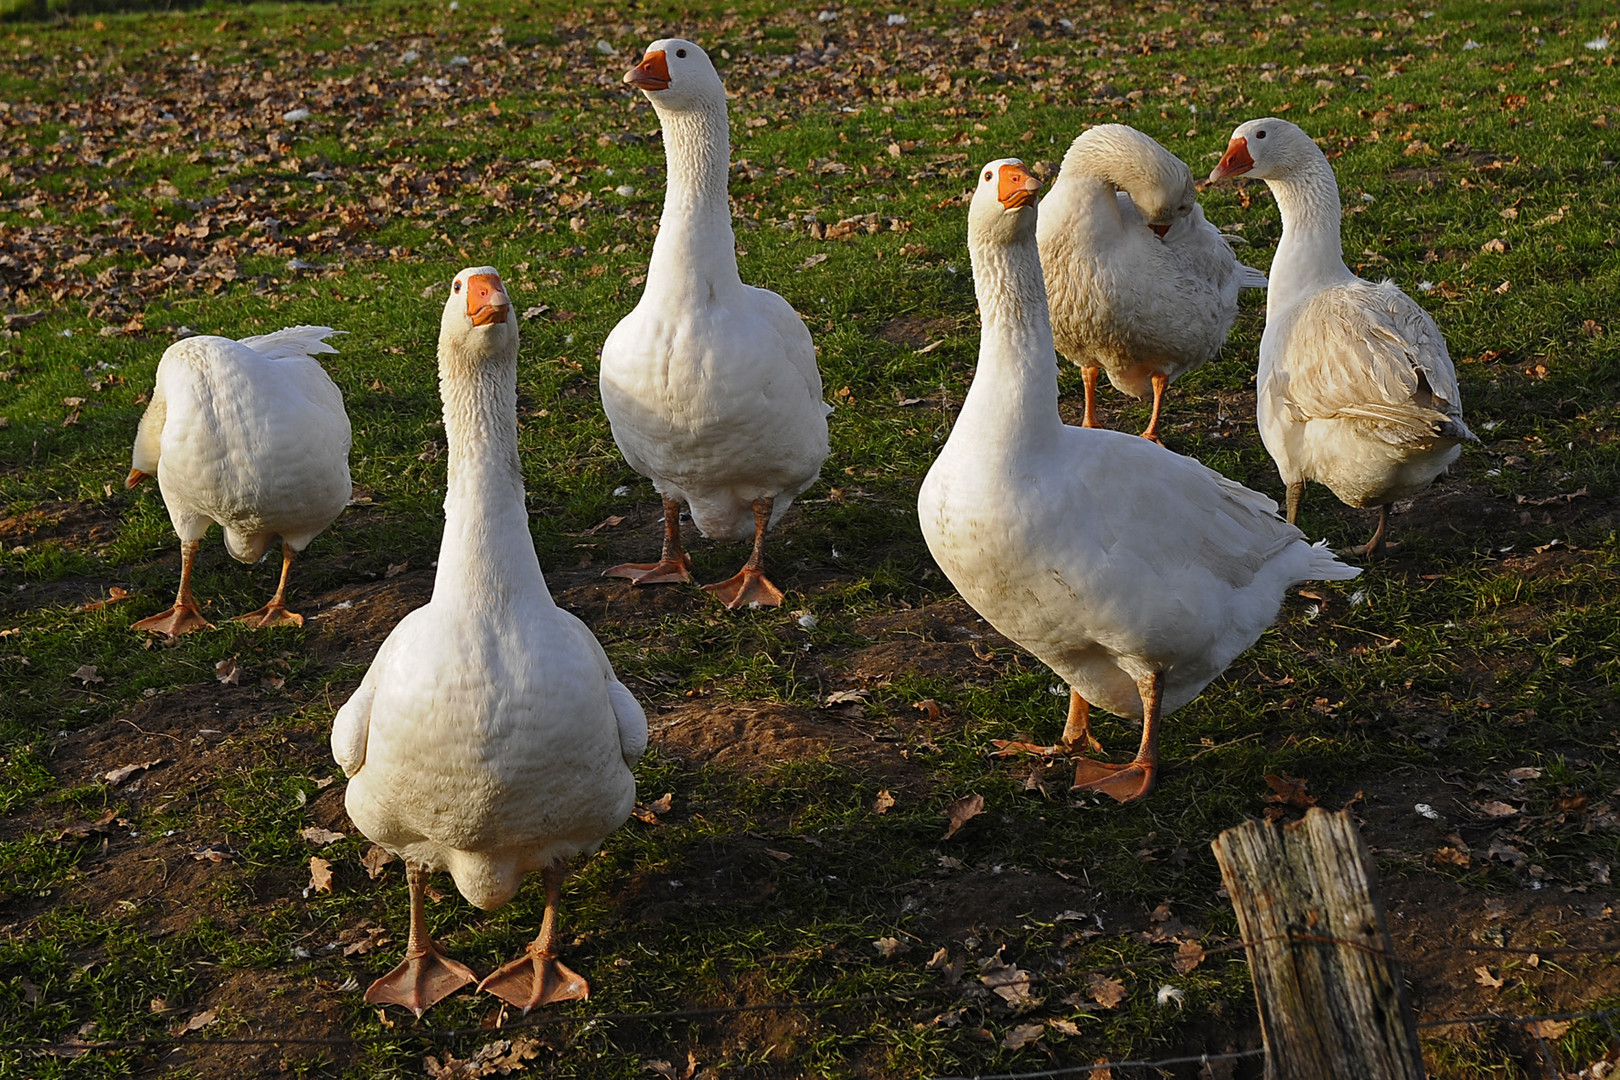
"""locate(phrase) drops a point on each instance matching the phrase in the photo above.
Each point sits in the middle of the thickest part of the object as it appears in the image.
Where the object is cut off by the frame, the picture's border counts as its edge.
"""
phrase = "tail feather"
(293, 342)
(1325, 566)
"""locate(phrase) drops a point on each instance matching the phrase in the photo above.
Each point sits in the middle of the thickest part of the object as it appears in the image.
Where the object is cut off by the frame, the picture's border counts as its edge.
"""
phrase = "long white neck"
(487, 557)
(695, 248)
(1014, 397)
(1310, 254)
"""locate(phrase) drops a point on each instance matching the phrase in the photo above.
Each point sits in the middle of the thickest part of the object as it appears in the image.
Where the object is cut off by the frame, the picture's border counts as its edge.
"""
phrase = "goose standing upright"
(489, 736)
(1141, 285)
(250, 434)
(1355, 389)
(1057, 535)
(710, 385)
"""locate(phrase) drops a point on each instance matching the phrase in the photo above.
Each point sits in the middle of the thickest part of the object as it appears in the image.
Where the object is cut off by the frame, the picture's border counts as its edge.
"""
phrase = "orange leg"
(1127, 783)
(1377, 545)
(1076, 731)
(750, 585)
(185, 616)
(538, 977)
(275, 613)
(1160, 382)
(426, 976)
(673, 565)
(1088, 376)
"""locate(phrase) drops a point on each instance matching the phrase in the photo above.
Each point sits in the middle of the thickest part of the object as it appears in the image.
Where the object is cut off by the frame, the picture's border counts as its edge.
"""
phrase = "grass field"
(232, 170)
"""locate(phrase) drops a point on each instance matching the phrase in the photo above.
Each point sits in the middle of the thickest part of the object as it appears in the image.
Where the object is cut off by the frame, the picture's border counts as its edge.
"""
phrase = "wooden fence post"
(1332, 1003)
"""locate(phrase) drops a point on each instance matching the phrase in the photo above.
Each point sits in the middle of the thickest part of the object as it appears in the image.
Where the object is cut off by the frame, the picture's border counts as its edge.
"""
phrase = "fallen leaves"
(87, 674)
(499, 1058)
(1022, 1035)
(119, 775)
(197, 1022)
(374, 858)
(1105, 990)
(961, 812)
(883, 803)
(1484, 977)
(1007, 981)
(320, 874)
(319, 836)
(649, 812)
(228, 672)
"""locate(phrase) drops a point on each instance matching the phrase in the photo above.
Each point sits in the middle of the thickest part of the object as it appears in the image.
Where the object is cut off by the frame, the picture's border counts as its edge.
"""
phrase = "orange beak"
(652, 73)
(135, 476)
(487, 301)
(1016, 188)
(1235, 162)
(1160, 230)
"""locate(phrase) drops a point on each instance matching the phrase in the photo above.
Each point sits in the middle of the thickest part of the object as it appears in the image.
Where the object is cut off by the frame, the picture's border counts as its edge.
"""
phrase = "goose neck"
(1014, 395)
(694, 233)
(1310, 253)
(487, 551)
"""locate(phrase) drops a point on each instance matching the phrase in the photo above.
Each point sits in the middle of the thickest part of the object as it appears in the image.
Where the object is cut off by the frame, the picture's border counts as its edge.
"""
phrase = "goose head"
(478, 319)
(1158, 183)
(1003, 206)
(1264, 149)
(678, 76)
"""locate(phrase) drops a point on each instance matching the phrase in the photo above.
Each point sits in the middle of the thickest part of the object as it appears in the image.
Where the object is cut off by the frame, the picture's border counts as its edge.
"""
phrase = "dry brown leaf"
(1105, 990)
(1188, 956)
(87, 674)
(317, 835)
(950, 970)
(227, 672)
(213, 853)
(1289, 791)
(320, 874)
(114, 594)
(1496, 808)
(883, 803)
(196, 1023)
(1453, 856)
(1064, 1027)
(889, 947)
(1022, 1035)
(119, 775)
(662, 804)
(374, 859)
(962, 811)
(1501, 849)
(1548, 1029)
(1485, 978)
(1007, 981)
(779, 856)
(396, 569)
(929, 708)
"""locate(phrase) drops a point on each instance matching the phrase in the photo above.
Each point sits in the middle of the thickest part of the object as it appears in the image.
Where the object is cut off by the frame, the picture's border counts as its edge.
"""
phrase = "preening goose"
(1355, 388)
(1141, 285)
(1135, 573)
(710, 385)
(250, 434)
(489, 737)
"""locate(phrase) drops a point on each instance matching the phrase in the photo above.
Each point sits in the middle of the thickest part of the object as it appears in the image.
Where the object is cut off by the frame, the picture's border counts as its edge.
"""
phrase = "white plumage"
(1355, 388)
(710, 385)
(1140, 284)
(490, 736)
(252, 435)
(1136, 574)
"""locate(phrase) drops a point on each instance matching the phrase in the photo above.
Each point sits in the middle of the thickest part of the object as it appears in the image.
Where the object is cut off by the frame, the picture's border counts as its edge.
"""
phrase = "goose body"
(1058, 535)
(489, 737)
(710, 385)
(1355, 388)
(251, 435)
(1140, 284)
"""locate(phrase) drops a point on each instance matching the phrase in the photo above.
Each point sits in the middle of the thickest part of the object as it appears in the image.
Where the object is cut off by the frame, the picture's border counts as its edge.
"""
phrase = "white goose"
(1136, 574)
(1141, 285)
(490, 736)
(710, 385)
(250, 434)
(1355, 388)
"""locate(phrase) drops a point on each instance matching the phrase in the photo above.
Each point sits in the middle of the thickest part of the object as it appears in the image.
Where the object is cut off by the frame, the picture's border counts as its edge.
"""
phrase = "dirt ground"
(197, 737)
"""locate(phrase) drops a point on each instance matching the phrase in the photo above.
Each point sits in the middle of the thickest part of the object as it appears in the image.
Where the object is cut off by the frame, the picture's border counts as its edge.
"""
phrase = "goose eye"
(681, 53)
(1260, 134)
(456, 287)
(988, 174)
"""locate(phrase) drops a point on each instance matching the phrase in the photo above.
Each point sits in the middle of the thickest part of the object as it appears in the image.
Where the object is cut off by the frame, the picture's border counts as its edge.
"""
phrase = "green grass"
(1490, 645)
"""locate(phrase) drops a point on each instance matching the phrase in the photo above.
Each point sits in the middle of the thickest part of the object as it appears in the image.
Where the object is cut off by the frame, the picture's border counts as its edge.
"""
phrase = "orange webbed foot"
(535, 978)
(1122, 783)
(746, 587)
(272, 614)
(421, 981)
(180, 619)
(659, 573)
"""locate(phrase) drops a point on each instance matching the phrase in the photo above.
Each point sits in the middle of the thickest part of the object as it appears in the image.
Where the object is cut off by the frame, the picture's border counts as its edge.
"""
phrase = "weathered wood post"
(1332, 1003)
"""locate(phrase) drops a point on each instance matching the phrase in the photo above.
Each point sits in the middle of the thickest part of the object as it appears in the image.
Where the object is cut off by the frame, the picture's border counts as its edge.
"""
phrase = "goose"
(1141, 285)
(1058, 536)
(489, 737)
(250, 434)
(710, 385)
(1355, 388)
